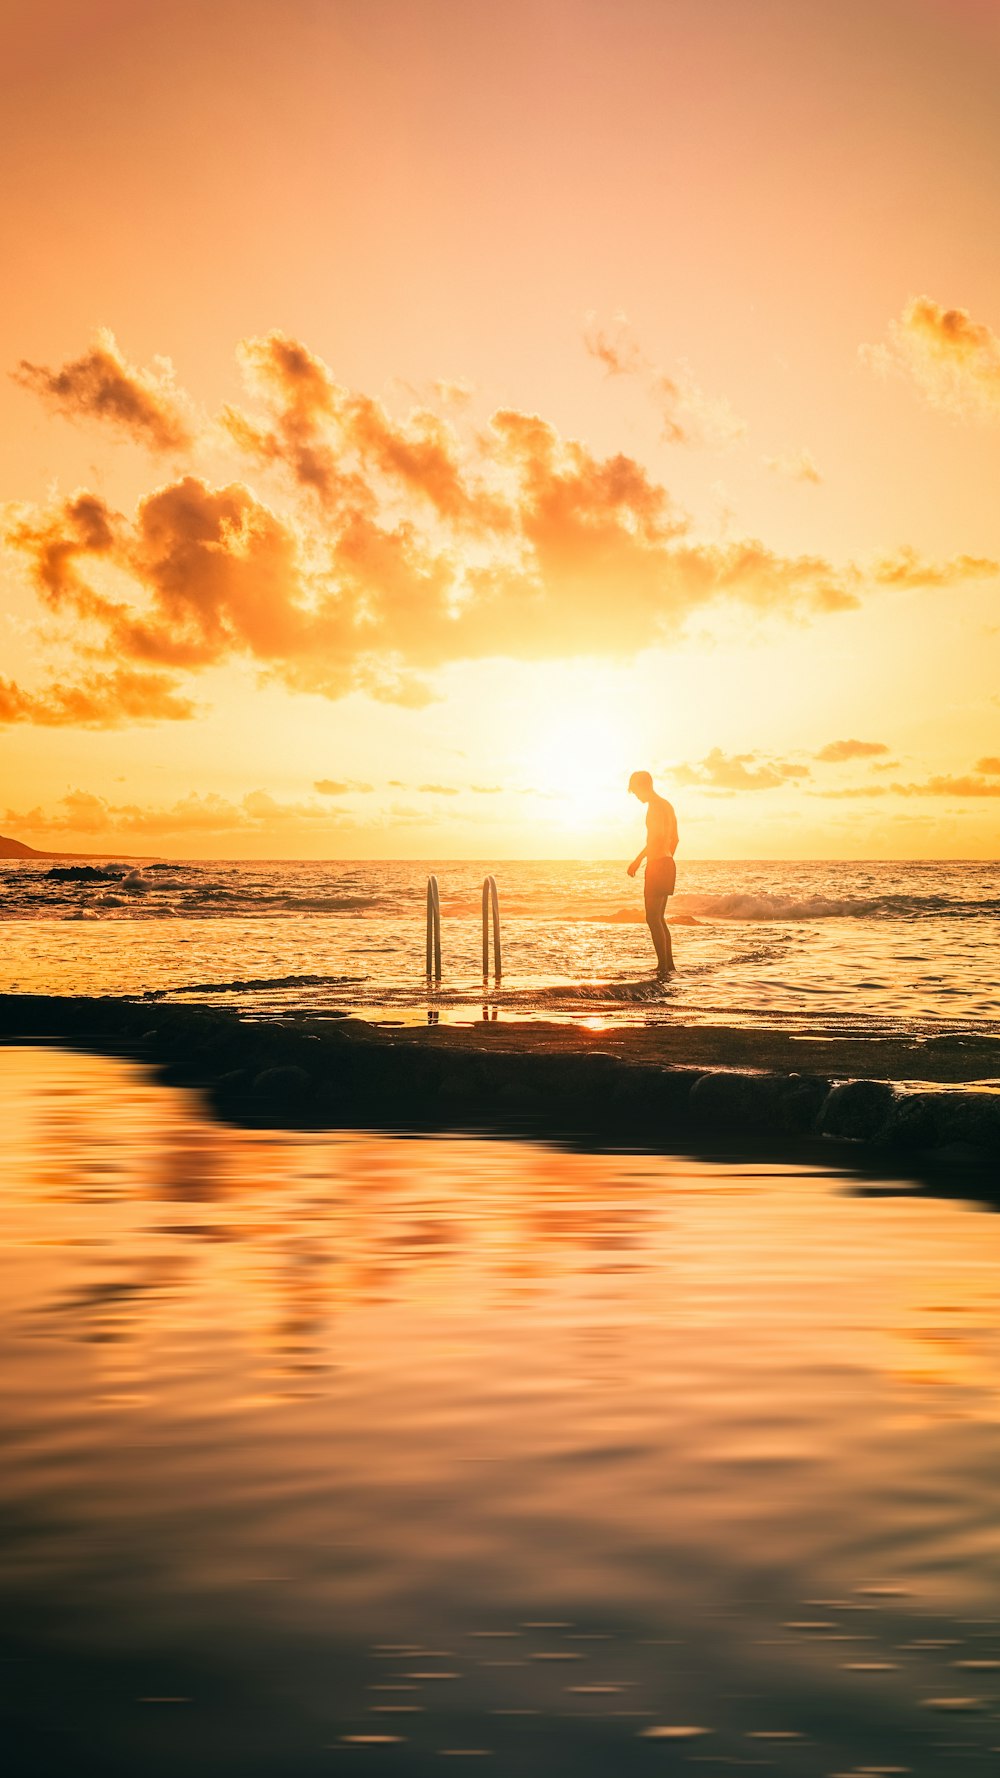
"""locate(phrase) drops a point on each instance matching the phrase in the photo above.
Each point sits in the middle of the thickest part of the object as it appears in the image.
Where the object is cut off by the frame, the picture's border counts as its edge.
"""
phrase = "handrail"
(491, 905)
(433, 928)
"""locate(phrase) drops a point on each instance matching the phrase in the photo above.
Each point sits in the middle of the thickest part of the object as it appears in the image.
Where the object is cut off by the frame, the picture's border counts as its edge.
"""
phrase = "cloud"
(439, 789)
(82, 812)
(943, 785)
(852, 790)
(953, 360)
(906, 569)
(693, 417)
(799, 466)
(690, 416)
(144, 405)
(454, 391)
(334, 787)
(835, 752)
(977, 784)
(989, 765)
(101, 700)
(82, 527)
(333, 439)
(738, 771)
(618, 351)
(390, 550)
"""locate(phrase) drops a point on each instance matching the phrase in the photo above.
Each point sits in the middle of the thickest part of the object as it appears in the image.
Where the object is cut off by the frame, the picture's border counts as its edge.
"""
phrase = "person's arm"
(634, 866)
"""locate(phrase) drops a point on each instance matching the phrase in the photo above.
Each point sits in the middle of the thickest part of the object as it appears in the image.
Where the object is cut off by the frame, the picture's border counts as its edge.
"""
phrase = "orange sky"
(553, 390)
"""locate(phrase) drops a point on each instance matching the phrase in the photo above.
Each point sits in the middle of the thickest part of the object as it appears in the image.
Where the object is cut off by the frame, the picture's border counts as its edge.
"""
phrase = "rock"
(969, 1117)
(462, 1083)
(858, 1109)
(801, 1098)
(912, 1122)
(729, 1103)
(82, 873)
(519, 1098)
(285, 1090)
(230, 1092)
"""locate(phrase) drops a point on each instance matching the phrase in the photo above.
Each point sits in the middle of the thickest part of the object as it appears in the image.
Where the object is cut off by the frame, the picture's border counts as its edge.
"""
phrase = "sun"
(578, 760)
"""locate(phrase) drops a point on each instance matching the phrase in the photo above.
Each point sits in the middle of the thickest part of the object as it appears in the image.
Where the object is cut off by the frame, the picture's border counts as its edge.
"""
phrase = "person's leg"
(659, 933)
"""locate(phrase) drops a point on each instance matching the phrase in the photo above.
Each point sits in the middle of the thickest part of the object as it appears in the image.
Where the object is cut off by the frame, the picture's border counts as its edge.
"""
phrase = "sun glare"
(577, 759)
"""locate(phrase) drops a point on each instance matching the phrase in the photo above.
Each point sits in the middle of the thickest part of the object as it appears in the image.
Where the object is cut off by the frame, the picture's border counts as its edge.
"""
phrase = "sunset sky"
(418, 414)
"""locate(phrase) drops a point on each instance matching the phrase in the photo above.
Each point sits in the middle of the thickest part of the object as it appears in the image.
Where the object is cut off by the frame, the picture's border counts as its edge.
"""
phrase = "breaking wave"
(790, 893)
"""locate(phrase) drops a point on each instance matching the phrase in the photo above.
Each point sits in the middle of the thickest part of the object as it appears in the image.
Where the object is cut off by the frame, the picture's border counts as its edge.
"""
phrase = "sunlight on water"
(352, 1453)
(805, 946)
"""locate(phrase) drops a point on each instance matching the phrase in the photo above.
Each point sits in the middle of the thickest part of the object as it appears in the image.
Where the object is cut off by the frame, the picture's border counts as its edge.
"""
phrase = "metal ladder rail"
(433, 930)
(491, 906)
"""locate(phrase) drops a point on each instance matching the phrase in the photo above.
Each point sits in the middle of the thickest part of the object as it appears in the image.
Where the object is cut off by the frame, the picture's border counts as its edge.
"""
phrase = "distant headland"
(17, 849)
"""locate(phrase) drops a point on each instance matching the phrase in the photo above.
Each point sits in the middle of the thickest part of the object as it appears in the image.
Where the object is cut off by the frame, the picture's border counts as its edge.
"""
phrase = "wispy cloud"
(945, 785)
(961, 787)
(906, 569)
(690, 415)
(82, 812)
(798, 466)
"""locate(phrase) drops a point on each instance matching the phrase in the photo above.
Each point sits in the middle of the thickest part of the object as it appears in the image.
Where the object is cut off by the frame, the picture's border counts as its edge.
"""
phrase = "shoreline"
(933, 1103)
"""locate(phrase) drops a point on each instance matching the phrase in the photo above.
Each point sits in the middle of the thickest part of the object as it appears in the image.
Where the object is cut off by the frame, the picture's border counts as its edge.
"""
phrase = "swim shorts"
(661, 875)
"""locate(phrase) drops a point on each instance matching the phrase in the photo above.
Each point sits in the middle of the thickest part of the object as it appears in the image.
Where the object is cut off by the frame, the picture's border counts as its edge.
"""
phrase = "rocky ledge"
(345, 1073)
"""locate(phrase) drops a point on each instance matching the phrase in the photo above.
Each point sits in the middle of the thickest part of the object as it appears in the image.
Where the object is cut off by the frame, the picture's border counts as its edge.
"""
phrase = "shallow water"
(908, 948)
(352, 1453)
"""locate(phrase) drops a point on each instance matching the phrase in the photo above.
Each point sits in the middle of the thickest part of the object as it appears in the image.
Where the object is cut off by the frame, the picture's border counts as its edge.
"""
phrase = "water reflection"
(368, 1451)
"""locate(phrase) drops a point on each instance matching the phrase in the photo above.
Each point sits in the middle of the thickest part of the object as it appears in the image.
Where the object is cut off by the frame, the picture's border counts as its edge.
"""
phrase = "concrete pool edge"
(342, 1073)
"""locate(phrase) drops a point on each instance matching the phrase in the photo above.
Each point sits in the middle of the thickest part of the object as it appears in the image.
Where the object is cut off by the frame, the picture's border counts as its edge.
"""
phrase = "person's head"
(641, 785)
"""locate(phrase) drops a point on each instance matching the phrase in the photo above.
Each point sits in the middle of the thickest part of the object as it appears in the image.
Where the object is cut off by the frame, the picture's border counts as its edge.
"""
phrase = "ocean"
(891, 948)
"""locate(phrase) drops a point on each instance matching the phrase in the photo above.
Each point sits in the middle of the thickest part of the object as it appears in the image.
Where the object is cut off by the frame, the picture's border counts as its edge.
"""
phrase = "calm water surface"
(336, 1454)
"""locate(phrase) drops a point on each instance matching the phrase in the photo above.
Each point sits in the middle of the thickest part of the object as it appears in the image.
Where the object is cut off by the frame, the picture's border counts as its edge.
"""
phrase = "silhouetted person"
(661, 871)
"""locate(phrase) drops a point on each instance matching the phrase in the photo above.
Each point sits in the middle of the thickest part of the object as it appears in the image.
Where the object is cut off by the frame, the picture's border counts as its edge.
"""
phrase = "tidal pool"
(353, 1453)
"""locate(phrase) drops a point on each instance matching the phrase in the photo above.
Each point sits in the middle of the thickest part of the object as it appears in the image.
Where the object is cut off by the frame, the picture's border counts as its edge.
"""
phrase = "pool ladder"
(491, 914)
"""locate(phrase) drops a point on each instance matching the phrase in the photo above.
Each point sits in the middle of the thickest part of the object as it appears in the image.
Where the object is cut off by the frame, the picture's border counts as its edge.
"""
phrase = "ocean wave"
(757, 906)
(566, 896)
(248, 984)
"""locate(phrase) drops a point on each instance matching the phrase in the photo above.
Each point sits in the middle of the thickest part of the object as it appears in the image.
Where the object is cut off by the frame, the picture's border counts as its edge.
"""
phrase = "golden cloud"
(82, 812)
(954, 361)
(99, 700)
(391, 549)
(962, 787)
(144, 405)
(943, 785)
(738, 771)
(835, 752)
(906, 569)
